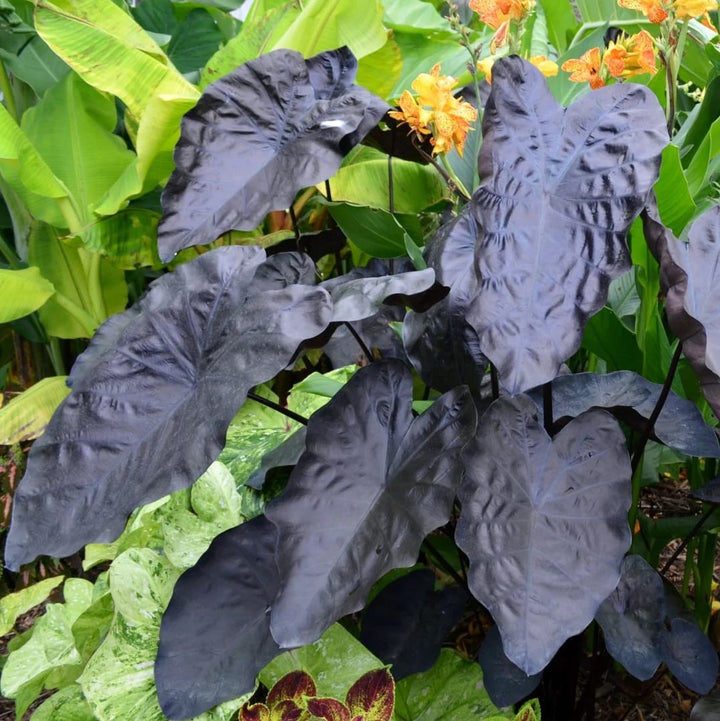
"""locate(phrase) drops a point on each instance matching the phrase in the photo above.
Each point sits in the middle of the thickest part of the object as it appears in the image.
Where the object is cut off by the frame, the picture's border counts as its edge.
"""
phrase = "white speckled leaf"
(15, 604)
(68, 704)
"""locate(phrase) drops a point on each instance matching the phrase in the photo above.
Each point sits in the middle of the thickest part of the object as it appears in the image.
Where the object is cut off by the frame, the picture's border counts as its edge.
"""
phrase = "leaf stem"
(84, 318)
(10, 255)
(53, 349)
(366, 351)
(97, 302)
(696, 528)
(650, 425)
(277, 407)
(294, 220)
(445, 565)
(7, 91)
(446, 176)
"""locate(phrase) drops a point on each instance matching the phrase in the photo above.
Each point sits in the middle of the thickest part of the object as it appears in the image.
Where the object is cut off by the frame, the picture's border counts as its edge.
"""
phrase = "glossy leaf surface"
(680, 425)
(185, 351)
(544, 524)
(690, 655)
(215, 635)
(407, 622)
(369, 487)
(274, 125)
(558, 191)
(632, 618)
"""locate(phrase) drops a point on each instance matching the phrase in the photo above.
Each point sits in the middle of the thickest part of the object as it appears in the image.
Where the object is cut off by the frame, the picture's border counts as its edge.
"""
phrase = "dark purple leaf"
(372, 483)
(407, 622)
(679, 425)
(544, 524)
(559, 189)
(709, 493)
(215, 635)
(283, 269)
(505, 683)
(152, 399)
(286, 454)
(707, 709)
(632, 616)
(690, 655)
(690, 278)
(274, 125)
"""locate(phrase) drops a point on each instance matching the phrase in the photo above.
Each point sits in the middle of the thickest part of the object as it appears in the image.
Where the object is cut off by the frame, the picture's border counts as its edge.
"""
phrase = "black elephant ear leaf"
(283, 269)
(370, 486)
(215, 635)
(407, 622)
(148, 413)
(680, 424)
(274, 125)
(690, 277)
(690, 655)
(559, 190)
(709, 493)
(544, 524)
(632, 616)
(505, 683)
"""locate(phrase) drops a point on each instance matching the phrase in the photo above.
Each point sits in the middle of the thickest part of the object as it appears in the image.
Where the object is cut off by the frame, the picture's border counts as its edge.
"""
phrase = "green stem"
(97, 302)
(7, 91)
(88, 323)
(673, 68)
(458, 183)
(53, 349)
(10, 255)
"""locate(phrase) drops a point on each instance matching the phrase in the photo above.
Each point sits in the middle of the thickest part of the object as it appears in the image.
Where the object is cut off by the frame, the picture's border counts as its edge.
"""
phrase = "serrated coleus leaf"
(215, 635)
(632, 617)
(294, 686)
(152, 398)
(372, 696)
(407, 622)
(544, 524)
(559, 189)
(680, 424)
(504, 682)
(372, 483)
(326, 709)
(274, 125)
(690, 278)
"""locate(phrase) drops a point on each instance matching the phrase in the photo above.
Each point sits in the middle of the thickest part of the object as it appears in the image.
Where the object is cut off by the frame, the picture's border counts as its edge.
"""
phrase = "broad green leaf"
(50, 656)
(675, 204)
(128, 238)
(32, 179)
(14, 32)
(72, 128)
(110, 51)
(415, 16)
(336, 660)
(194, 41)
(118, 679)
(25, 416)
(15, 604)
(256, 37)
(623, 298)
(451, 689)
(23, 291)
(561, 23)
(363, 180)
(608, 338)
(325, 384)
(68, 704)
(37, 65)
(329, 24)
(696, 64)
(593, 11)
(705, 162)
(380, 70)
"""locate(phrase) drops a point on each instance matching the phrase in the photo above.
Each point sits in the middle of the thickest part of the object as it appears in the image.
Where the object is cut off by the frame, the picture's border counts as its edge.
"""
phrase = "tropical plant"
(513, 476)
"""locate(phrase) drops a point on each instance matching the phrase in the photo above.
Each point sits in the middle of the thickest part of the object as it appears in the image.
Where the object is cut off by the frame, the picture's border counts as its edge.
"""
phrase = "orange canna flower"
(547, 67)
(586, 68)
(631, 55)
(652, 9)
(498, 14)
(685, 9)
(436, 112)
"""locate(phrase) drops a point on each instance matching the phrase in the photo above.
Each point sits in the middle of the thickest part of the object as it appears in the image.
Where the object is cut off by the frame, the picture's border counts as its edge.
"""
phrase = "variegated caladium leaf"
(504, 682)
(544, 523)
(372, 483)
(408, 621)
(152, 398)
(274, 125)
(632, 617)
(215, 635)
(690, 278)
(442, 346)
(680, 424)
(558, 191)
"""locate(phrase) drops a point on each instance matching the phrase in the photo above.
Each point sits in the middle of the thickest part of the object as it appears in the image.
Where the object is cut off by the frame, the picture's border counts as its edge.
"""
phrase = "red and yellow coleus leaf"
(294, 686)
(327, 709)
(372, 696)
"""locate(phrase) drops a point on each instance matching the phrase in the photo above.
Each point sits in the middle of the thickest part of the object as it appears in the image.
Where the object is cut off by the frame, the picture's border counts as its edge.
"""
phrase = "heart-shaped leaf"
(407, 622)
(544, 524)
(706, 709)
(690, 655)
(504, 682)
(559, 190)
(372, 696)
(276, 124)
(690, 278)
(190, 349)
(370, 486)
(632, 618)
(215, 635)
(680, 425)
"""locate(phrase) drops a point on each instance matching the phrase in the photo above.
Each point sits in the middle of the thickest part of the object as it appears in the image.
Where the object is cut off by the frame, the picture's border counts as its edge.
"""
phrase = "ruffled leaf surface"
(632, 618)
(152, 398)
(544, 524)
(272, 126)
(369, 487)
(215, 635)
(558, 191)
